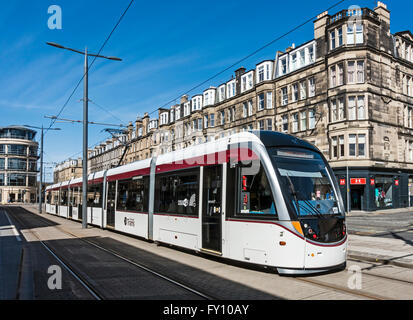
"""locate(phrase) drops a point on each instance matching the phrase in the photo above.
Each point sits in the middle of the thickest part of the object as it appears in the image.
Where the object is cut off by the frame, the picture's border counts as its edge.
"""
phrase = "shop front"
(372, 190)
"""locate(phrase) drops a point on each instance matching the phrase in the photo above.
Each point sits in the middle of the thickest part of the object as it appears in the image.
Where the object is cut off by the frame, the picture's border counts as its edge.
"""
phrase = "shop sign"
(372, 182)
(358, 181)
(396, 183)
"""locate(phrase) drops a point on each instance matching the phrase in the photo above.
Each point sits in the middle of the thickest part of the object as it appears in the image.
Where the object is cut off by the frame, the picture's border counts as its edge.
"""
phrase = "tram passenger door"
(110, 209)
(212, 209)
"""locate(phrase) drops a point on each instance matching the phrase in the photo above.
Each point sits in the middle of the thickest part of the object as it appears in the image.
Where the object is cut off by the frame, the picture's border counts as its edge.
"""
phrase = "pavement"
(384, 236)
(10, 258)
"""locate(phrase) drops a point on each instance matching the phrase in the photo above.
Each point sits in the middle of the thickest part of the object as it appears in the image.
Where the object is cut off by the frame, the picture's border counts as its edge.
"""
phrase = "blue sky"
(167, 48)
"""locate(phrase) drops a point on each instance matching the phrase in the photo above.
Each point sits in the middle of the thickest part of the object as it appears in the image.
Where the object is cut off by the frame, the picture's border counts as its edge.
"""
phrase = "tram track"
(315, 281)
(85, 283)
(360, 293)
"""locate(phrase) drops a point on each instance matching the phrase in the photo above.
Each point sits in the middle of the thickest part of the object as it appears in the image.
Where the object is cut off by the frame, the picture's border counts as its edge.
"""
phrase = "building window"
(334, 147)
(360, 71)
(340, 36)
(351, 72)
(333, 77)
(361, 145)
(355, 33)
(206, 122)
(359, 33)
(244, 110)
(334, 110)
(311, 119)
(295, 122)
(261, 124)
(342, 146)
(408, 120)
(284, 96)
(222, 117)
(311, 54)
(295, 92)
(269, 124)
(361, 108)
(250, 108)
(303, 117)
(333, 40)
(261, 74)
(311, 87)
(269, 100)
(352, 108)
(285, 123)
(340, 72)
(303, 90)
(352, 145)
(261, 102)
(283, 68)
(212, 120)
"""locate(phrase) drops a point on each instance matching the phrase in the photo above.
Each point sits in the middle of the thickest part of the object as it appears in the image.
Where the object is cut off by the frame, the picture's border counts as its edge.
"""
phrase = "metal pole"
(85, 143)
(41, 174)
(348, 192)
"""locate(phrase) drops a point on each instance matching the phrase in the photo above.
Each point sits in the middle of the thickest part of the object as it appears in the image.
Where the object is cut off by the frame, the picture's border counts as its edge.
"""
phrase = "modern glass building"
(18, 165)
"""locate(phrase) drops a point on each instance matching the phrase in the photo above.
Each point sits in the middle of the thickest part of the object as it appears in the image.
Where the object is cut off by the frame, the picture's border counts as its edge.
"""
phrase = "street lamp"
(85, 121)
(41, 162)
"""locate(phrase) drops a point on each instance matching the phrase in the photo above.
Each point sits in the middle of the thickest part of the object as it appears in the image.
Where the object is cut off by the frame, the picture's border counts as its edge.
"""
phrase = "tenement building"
(69, 169)
(18, 165)
(349, 91)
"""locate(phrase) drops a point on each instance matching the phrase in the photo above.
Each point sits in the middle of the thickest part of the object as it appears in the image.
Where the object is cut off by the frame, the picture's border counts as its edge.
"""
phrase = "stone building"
(69, 169)
(349, 91)
(18, 165)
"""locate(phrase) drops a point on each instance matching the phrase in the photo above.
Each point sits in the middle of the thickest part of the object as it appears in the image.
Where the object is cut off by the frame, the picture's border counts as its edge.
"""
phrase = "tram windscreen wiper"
(294, 193)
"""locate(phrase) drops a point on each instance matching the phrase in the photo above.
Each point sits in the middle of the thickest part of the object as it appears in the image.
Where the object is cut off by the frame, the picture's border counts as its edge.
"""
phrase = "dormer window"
(247, 82)
(178, 113)
(264, 71)
(221, 93)
(261, 74)
(187, 109)
(196, 103)
(231, 89)
(164, 118)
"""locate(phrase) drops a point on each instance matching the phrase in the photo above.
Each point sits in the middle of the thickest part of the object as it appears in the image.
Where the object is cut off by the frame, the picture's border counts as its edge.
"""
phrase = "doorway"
(110, 209)
(212, 209)
(356, 198)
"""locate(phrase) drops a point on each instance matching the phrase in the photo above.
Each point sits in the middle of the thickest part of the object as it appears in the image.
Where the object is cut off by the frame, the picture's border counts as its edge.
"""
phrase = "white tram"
(262, 198)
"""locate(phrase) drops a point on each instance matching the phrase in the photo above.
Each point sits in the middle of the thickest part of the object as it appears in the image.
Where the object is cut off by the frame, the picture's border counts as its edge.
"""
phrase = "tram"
(260, 197)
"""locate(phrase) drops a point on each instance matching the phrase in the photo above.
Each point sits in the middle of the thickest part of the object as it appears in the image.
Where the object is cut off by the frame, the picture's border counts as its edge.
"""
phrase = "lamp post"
(85, 121)
(41, 162)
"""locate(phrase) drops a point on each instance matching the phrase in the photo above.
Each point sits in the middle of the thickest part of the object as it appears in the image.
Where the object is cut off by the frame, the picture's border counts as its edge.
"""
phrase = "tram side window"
(48, 197)
(94, 196)
(74, 196)
(55, 197)
(63, 197)
(133, 194)
(255, 194)
(177, 193)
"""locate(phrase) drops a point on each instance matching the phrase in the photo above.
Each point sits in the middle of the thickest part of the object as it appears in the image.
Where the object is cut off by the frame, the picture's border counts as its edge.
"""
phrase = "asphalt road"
(390, 225)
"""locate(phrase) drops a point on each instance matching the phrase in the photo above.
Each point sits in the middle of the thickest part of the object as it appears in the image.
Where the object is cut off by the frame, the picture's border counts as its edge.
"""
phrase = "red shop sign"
(358, 181)
(372, 182)
(342, 182)
(396, 183)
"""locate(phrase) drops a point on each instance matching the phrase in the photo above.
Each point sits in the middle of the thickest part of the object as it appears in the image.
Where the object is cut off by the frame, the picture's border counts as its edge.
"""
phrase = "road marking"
(12, 226)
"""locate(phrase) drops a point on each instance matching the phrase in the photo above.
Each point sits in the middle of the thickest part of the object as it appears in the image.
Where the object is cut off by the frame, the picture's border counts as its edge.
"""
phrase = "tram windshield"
(306, 182)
